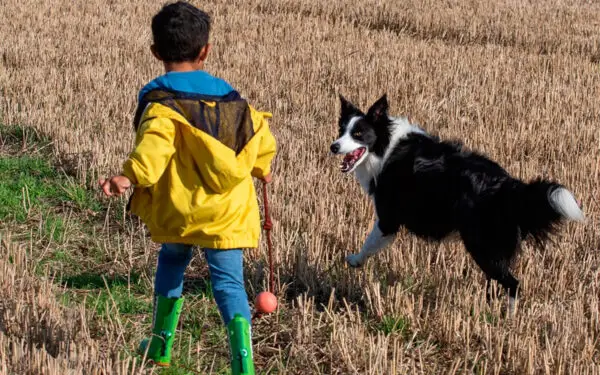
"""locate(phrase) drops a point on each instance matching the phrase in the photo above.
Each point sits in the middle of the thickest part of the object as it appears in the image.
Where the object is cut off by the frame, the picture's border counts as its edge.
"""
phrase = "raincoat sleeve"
(267, 148)
(155, 145)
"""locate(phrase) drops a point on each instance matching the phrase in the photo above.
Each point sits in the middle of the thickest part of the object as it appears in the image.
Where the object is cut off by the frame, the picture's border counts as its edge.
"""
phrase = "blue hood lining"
(193, 82)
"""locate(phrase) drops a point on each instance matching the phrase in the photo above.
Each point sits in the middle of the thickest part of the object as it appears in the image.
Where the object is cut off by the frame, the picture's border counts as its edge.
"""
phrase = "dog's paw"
(354, 260)
(512, 307)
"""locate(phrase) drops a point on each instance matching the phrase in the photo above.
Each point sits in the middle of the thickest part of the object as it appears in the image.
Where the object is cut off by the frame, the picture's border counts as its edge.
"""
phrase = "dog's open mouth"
(351, 159)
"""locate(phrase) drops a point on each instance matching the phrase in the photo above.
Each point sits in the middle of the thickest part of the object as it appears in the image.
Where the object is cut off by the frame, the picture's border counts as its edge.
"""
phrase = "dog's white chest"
(367, 171)
(364, 178)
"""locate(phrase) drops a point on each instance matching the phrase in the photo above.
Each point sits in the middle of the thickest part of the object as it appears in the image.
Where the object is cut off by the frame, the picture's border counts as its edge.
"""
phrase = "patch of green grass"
(31, 184)
(58, 261)
(103, 294)
(16, 134)
(90, 281)
(23, 139)
(62, 256)
(394, 325)
(201, 287)
(203, 314)
(27, 183)
(198, 329)
(54, 227)
(119, 297)
(81, 197)
(67, 299)
(175, 370)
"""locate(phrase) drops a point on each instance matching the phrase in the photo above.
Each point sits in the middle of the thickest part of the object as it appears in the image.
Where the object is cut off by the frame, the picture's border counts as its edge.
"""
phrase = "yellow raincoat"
(192, 168)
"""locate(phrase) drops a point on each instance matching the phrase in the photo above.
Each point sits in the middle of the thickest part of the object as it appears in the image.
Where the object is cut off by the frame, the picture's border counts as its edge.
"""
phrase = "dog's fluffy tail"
(542, 205)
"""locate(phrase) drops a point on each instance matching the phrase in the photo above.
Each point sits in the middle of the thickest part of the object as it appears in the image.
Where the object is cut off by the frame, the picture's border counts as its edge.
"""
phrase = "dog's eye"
(357, 134)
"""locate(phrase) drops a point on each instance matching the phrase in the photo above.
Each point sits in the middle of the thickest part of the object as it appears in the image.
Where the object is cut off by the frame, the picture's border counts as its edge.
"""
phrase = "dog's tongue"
(354, 154)
(350, 159)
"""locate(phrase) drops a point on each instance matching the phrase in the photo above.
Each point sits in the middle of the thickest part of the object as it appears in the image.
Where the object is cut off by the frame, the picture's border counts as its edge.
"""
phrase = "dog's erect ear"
(347, 108)
(379, 110)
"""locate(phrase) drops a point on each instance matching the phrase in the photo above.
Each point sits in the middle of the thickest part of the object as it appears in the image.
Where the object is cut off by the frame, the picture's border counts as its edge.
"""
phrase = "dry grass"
(518, 81)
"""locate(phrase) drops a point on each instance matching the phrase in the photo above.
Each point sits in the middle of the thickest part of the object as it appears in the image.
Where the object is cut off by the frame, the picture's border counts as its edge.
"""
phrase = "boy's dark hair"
(180, 31)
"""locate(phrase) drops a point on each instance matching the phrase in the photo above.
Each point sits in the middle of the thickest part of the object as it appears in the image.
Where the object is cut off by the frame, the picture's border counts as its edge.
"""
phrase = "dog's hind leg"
(498, 270)
(492, 245)
(375, 242)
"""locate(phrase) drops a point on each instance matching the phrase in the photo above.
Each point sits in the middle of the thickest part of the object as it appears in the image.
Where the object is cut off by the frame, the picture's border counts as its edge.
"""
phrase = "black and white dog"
(435, 188)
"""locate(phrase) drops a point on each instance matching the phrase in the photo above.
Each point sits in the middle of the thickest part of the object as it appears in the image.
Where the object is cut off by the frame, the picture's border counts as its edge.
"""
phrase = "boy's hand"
(116, 185)
(267, 179)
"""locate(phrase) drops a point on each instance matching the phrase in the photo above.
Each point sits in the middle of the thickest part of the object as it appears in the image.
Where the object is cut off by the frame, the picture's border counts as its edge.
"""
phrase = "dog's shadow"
(318, 280)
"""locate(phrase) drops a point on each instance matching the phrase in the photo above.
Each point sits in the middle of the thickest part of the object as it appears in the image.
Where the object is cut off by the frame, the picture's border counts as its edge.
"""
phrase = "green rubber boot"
(240, 344)
(164, 323)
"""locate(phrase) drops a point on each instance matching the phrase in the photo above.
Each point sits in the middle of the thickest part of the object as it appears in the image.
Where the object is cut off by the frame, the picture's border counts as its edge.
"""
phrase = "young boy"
(198, 145)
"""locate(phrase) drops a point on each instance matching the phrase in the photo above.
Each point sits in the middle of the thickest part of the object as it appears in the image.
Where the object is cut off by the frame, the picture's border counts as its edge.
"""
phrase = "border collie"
(434, 188)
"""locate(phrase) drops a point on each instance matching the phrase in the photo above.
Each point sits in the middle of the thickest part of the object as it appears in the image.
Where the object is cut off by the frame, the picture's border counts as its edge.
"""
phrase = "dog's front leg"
(374, 243)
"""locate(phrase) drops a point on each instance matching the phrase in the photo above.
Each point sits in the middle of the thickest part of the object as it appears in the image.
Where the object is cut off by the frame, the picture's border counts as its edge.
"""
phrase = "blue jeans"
(226, 276)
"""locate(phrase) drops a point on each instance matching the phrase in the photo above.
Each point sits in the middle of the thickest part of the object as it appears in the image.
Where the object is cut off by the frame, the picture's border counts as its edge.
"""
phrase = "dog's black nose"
(335, 147)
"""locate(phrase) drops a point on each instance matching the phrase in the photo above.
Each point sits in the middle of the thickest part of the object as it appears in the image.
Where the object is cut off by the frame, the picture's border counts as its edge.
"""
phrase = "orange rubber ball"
(266, 302)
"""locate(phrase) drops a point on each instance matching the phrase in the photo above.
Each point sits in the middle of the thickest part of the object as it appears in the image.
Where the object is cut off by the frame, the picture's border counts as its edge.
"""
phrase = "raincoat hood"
(220, 124)
(197, 83)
